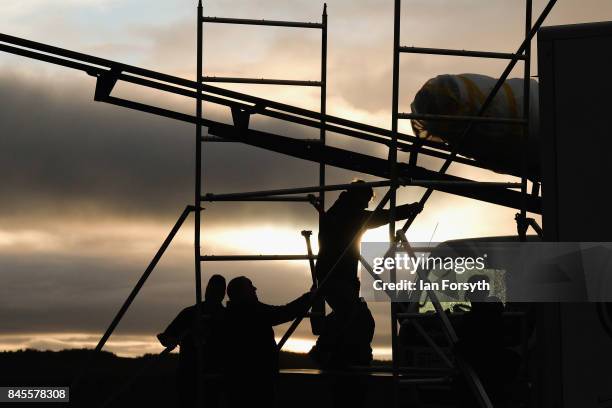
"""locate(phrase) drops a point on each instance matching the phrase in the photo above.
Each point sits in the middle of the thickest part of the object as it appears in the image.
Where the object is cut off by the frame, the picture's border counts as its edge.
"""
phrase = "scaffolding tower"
(394, 174)
(524, 54)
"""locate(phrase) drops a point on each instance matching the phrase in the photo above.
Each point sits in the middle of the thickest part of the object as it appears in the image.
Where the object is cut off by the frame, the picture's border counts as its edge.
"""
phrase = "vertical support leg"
(393, 198)
(323, 106)
(197, 203)
(522, 224)
(318, 307)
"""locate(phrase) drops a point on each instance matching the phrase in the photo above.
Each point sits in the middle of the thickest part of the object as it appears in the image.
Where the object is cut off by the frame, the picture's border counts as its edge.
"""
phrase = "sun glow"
(261, 239)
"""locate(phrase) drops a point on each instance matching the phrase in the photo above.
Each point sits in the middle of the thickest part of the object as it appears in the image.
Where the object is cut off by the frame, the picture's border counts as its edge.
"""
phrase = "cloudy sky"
(89, 191)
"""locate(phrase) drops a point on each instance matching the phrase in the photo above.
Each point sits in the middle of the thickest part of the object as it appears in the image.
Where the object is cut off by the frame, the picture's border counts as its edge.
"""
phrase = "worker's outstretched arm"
(402, 212)
(283, 314)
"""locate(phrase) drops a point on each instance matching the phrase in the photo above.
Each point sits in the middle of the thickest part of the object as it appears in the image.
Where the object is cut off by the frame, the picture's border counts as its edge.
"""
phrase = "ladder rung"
(248, 196)
(299, 199)
(256, 257)
(247, 21)
(457, 118)
(299, 190)
(461, 183)
(461, 53)
(265, 81)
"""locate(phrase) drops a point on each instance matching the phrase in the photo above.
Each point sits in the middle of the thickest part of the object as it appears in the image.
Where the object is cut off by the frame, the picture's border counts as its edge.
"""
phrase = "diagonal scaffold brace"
(318, 308)
(139, 284)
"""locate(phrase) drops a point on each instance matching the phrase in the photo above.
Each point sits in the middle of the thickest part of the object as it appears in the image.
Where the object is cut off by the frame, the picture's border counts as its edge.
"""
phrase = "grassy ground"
(154, 386)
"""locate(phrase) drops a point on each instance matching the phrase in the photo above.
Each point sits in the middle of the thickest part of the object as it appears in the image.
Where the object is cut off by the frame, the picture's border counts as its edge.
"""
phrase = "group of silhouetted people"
(237, 349)
(236, 345)
(236, 342)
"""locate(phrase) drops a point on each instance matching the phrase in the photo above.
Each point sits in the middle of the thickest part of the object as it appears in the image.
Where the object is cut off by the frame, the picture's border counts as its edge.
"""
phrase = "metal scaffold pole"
(318, 308)
(197, 204)
(394, 185)
(323, 106)
(522, 219)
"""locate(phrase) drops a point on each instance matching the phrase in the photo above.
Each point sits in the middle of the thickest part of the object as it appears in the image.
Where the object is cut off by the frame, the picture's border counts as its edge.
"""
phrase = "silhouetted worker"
(345, 342)
(347, 332)
(251, 350)
(347, 217)
(183, 331)
(481, 342)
